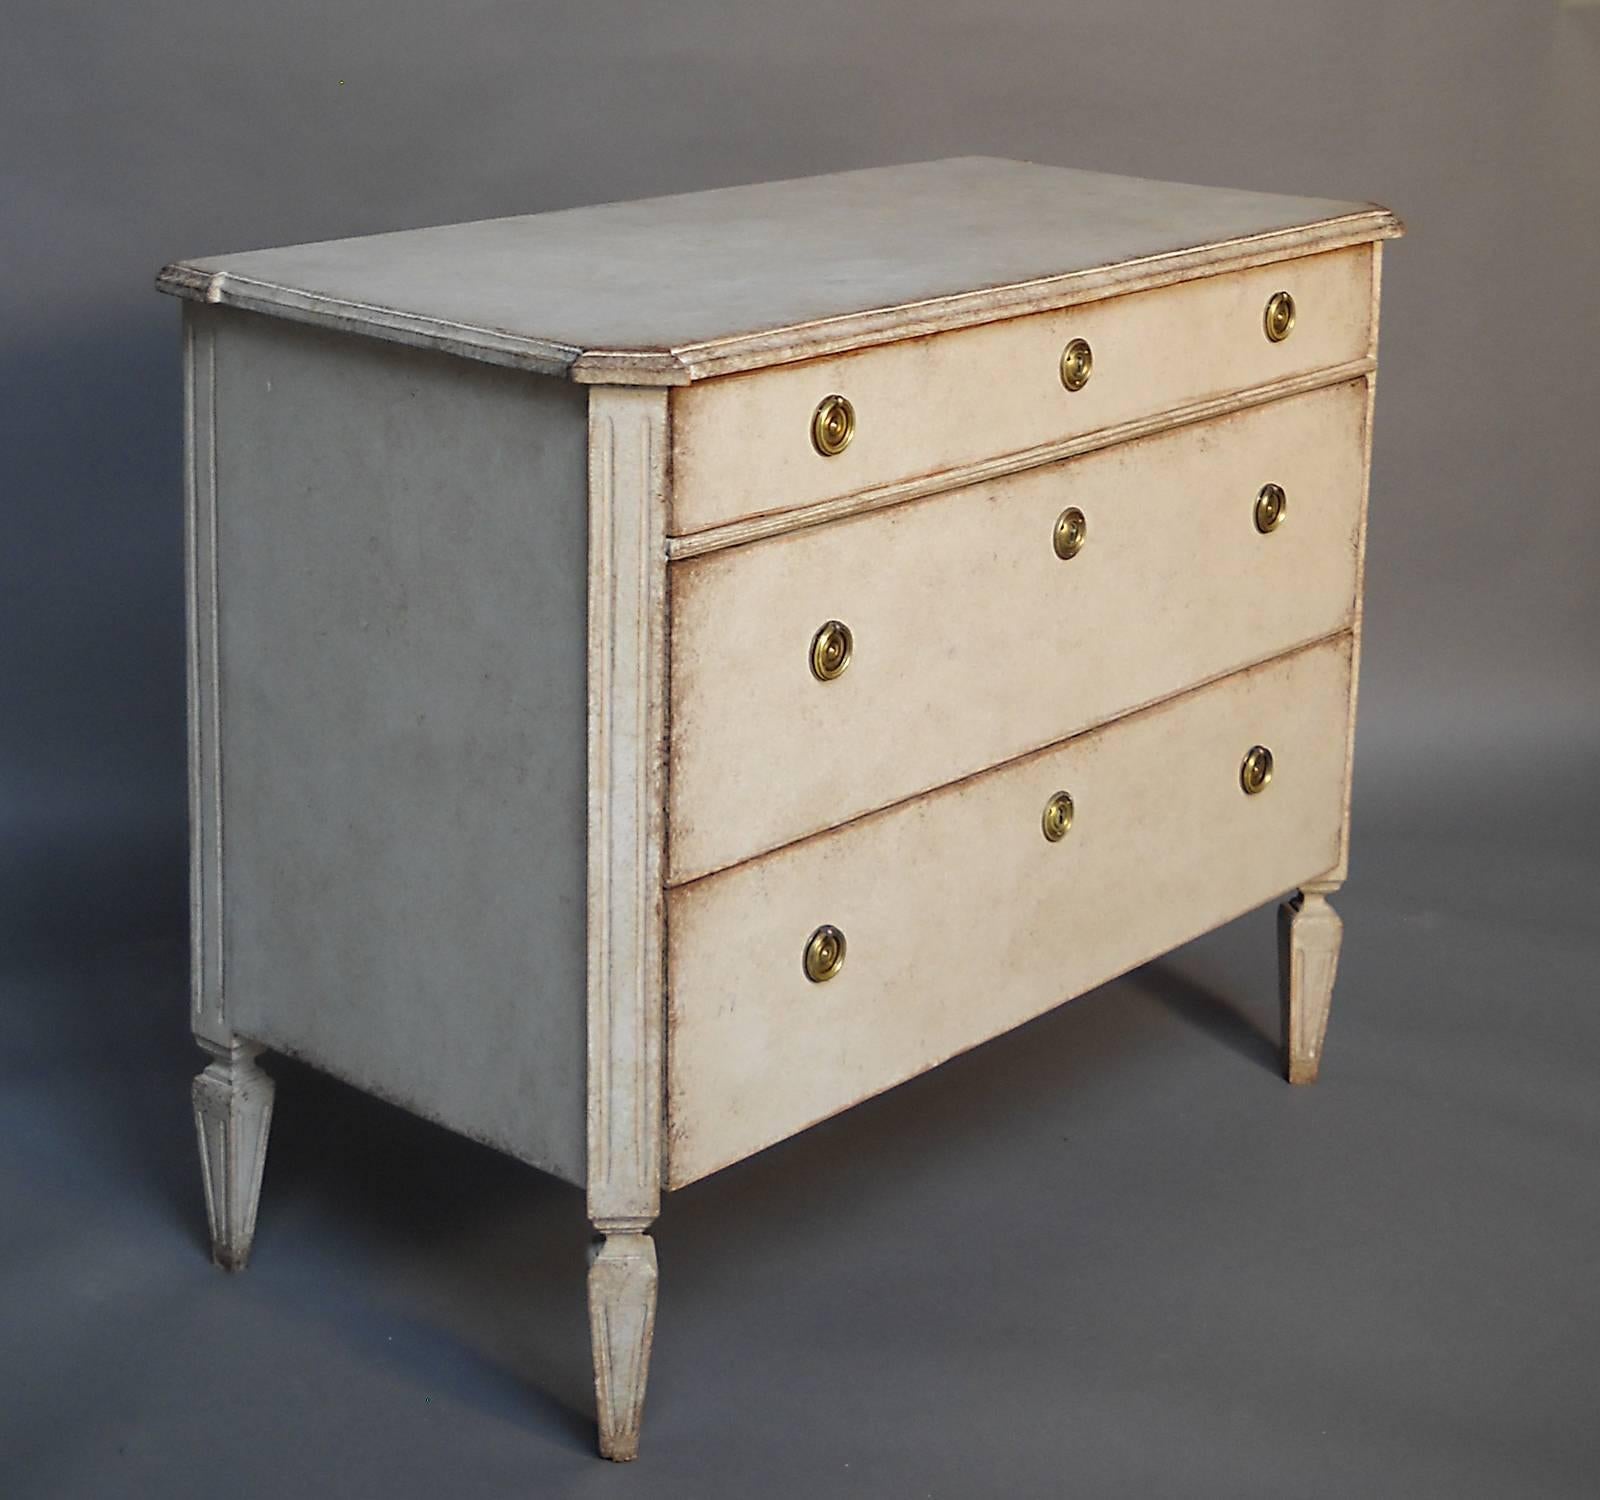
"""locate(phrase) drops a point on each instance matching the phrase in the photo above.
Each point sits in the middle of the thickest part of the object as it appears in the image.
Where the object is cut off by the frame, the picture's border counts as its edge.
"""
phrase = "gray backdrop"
(1381, 1286)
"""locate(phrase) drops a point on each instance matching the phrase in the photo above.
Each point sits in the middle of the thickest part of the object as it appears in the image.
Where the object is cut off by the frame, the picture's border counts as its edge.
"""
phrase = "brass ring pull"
(833, 424)
(1272, 505)
(824, 955)
(830, 650)
(1279, 317)
(1057, 817)
(1077, 364)
(1255, 771)
(1072, 531)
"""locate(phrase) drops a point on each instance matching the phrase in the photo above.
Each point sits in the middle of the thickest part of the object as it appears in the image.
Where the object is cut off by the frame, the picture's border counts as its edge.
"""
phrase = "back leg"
(232, 1115)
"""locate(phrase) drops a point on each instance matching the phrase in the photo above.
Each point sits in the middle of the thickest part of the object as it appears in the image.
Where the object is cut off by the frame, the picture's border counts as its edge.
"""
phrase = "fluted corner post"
(232, 1097)
(629, 454)
(1309, 935)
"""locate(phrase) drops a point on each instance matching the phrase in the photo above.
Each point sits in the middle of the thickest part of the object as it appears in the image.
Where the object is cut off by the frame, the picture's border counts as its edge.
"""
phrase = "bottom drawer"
(961, 920)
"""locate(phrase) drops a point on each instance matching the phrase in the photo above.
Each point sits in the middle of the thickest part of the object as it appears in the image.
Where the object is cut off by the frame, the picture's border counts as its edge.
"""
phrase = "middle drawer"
(971, 640)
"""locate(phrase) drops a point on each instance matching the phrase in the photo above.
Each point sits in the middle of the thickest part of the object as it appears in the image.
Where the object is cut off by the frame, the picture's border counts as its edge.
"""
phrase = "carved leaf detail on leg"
(1309, 934)
(622, 1317)
(232, 1116)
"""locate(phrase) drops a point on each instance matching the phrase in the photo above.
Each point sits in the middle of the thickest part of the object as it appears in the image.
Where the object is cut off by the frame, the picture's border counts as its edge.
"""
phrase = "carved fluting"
(207, 1009)
(1309, 934)
(232, 1116)
(627, 679)
(622, 1320)
(627, 643)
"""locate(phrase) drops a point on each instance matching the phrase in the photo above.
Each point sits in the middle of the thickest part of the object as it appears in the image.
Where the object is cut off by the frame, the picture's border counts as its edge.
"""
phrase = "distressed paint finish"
(232, 1116)
(232, 1096)
(671, 290)
(622, 1322)
(882, 496)
(610, 595)
(627, 677)
(1340, 871)
(627, 828)
(1309, 936)
(207, 1012)
(401, 557)
(963, 922)
(1174, 587)
(742, 446)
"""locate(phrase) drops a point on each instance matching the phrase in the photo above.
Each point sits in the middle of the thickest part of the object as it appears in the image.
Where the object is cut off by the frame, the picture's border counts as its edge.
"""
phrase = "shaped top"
(663, 291)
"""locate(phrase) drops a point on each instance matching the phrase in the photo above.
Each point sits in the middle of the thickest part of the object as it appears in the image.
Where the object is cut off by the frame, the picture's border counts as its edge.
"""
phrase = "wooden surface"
(975, 643)
(232, 1102)
(207, 1005)
(514, 798)
(667, 290)
(742, 446)
(1309, 937)
(626, 815)
(962, 921)
(401, 555)
(1341, 869)
(622, 1321)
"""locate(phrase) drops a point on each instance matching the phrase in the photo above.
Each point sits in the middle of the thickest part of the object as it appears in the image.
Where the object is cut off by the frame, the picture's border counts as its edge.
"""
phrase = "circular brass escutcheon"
(1279, 317)
(824, 954)
(1077, 364)
(1272, 505)
(1255, 771)
(1057, 817)
(830, 650)
(833, 424)
(1072, 531)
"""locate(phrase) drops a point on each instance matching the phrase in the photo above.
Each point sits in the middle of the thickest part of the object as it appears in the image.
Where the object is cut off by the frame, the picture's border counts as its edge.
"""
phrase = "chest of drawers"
(660, 674)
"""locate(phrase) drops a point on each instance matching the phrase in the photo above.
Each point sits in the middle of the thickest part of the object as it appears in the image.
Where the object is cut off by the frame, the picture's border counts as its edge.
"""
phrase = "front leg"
(622, 1321)
(232, 1115)
(1309, 934)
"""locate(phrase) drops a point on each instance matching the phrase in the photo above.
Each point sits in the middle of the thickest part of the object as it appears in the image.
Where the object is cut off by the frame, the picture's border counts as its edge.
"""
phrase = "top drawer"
(743, 445)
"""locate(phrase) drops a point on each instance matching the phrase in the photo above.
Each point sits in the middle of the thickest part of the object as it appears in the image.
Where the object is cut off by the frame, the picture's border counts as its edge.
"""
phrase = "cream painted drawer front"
(742, 444)
(961, 920)
(974, 643)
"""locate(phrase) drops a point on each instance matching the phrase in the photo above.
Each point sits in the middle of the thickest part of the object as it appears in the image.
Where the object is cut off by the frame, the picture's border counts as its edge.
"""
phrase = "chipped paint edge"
(759, 349)
(628, 458)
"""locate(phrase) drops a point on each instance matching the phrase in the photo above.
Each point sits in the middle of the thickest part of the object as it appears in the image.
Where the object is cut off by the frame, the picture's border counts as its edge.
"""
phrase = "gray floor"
(1111, 1254)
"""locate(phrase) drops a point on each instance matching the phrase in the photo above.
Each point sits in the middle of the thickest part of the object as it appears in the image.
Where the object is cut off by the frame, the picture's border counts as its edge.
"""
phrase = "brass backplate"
(1272, 505)
(1077, 364)
(824, 955)
(1072, 531)
(1278, 319)
(833, 424)
(830, 650)
(1057, 817)
(1255, 771)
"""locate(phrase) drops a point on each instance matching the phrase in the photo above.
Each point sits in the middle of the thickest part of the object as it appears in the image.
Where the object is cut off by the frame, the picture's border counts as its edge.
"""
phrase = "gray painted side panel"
(402, 581)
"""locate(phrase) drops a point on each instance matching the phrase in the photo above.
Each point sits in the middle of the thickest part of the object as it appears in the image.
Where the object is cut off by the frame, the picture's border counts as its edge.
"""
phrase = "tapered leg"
(1309, 933)
(232, 1114)
(622, 1321)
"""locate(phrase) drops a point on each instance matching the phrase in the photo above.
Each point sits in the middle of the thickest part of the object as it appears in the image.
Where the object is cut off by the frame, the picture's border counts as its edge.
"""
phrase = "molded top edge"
(664, 291)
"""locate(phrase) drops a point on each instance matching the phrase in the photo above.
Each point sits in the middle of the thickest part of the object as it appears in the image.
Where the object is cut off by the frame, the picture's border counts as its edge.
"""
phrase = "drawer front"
(972, 642)
(961, 920)
(743, 445)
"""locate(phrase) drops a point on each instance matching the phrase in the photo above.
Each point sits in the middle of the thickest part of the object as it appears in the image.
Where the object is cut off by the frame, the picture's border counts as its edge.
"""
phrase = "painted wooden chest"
(662, 673)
